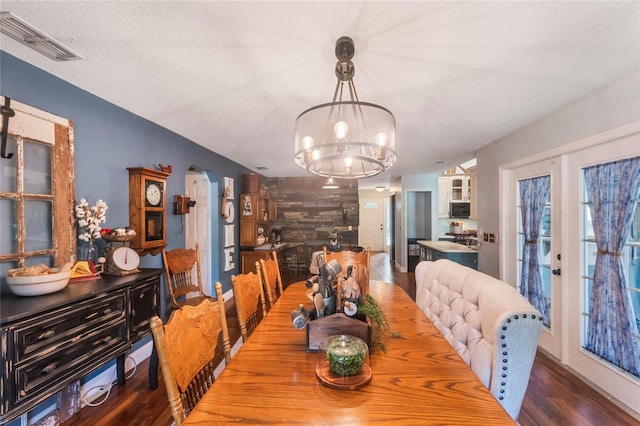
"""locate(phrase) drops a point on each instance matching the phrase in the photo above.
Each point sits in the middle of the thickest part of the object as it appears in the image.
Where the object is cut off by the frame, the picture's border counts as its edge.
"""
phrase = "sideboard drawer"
(61, 328)
(145, 303)
(50, 370)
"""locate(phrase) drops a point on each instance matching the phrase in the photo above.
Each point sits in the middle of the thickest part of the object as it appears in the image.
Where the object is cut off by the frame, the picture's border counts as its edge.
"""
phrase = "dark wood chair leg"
(153, 369)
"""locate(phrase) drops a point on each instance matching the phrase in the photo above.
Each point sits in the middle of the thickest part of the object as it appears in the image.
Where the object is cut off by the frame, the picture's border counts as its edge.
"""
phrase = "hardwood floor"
(554, 396)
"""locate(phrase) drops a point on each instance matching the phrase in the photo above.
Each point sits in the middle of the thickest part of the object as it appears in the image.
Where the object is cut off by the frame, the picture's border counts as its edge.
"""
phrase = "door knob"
(556, 271)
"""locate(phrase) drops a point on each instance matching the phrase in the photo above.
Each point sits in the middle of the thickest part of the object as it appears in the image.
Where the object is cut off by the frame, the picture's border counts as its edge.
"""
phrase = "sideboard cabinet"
(49, 341)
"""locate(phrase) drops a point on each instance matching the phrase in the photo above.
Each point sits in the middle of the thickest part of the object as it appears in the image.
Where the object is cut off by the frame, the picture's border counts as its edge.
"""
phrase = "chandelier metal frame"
(345, 139)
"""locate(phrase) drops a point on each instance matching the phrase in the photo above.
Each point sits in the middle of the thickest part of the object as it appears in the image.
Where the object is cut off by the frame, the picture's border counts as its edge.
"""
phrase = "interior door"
(371, 227)
(621, 385)
(549, 245)
(197, 223)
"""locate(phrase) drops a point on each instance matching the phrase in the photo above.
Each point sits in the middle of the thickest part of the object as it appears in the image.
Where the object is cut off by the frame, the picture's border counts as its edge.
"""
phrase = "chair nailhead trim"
(504, 360)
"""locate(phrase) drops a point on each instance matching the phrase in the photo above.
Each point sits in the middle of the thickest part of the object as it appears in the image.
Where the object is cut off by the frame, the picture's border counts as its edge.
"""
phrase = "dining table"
(417, 379)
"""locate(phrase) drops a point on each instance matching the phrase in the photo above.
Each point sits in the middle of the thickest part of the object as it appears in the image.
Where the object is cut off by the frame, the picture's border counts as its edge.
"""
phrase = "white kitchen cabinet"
(455, 188)
(459, 188)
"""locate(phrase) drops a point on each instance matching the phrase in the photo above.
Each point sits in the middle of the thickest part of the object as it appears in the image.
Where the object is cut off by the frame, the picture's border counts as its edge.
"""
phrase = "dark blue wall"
(108, 139)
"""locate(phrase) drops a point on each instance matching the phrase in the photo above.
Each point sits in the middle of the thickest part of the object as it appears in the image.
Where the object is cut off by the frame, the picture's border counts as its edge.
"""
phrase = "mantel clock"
(147, 209)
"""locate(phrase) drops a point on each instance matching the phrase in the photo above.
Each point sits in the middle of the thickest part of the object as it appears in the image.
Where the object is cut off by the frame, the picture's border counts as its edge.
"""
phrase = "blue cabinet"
(434, 250)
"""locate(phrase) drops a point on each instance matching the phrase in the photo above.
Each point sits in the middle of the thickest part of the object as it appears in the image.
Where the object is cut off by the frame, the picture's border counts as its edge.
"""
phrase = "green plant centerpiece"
(346, 355)
(370, 307)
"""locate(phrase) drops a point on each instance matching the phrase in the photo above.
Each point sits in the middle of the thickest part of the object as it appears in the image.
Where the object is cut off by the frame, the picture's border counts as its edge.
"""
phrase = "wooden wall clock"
(148, 209)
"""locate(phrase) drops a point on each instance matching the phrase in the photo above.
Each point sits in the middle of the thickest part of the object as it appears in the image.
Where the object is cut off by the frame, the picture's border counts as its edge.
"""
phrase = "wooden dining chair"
(269, 272)
(251, 307)
(182, 270)
(193, 342)
(354, 265)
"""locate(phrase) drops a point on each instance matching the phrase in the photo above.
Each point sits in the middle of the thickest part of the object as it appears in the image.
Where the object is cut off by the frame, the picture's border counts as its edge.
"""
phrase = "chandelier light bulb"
(307, 142)
(316, 154)
(341, 128)
(348, 161)
(382, 138)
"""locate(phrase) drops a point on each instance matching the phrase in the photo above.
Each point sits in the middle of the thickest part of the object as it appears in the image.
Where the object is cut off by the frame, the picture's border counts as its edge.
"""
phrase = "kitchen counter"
(446, 246)
(434, 250)
(278, 246)
(248, 258)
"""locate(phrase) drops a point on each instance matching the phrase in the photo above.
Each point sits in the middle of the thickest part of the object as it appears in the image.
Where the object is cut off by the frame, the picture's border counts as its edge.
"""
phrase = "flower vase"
(92, 253)
(333, 245)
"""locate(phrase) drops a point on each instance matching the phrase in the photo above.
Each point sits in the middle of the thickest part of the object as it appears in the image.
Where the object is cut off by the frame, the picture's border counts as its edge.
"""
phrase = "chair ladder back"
(270, 277)
(182, 279)
(360, 260)
(274, 258)
(250, 302)
(193, 342)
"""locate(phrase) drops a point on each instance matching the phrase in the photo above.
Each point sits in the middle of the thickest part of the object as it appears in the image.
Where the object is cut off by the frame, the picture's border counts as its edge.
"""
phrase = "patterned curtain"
(533, 197)
(612, 190)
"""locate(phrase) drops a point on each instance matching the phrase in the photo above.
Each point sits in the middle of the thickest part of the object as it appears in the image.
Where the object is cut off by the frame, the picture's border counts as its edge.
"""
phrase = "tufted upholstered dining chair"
(190, 346)
(269, 272)
(182, 270)
(251, 307)
(492, 327)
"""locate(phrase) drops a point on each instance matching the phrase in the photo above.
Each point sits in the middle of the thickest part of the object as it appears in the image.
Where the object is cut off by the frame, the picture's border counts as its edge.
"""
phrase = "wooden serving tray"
(336, 324)
(335, 381)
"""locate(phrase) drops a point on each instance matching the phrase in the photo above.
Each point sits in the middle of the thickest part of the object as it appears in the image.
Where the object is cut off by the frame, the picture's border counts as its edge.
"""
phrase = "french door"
(621, 385)
(548, 244)
(565, 247)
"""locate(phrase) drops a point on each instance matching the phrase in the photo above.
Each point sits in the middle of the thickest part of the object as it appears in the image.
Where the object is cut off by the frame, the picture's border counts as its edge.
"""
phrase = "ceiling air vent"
(19, 30)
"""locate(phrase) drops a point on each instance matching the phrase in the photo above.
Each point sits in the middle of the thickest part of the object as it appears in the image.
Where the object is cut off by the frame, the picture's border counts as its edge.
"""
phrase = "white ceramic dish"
(39, 284)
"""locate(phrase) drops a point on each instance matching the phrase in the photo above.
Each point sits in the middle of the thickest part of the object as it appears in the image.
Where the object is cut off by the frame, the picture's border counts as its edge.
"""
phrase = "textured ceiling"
(233, 76)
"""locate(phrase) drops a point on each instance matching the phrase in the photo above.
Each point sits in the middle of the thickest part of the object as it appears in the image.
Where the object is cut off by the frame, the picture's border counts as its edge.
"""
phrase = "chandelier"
(345, 139)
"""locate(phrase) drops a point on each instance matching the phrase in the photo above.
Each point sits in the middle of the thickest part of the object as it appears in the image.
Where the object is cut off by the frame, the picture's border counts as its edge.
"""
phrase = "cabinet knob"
(107, 311)
(47, 334)
(49, 368)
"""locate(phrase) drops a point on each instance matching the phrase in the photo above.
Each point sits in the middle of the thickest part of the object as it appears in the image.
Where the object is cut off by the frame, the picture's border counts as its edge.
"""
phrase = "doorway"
(198, 225)
(371, 232)
(548, 248)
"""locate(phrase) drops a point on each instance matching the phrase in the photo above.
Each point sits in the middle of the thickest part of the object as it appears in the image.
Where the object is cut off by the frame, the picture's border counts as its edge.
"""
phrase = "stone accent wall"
(306, 212)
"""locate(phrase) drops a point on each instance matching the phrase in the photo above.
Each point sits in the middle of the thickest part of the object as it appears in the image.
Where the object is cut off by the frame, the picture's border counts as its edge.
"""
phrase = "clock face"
(125, 258)
(153, 194)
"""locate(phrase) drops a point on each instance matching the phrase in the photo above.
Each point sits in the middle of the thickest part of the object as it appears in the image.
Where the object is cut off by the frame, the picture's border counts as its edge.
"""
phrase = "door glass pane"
(8, 226)
(8, 168)
(544, 245)
(630, 258)
(37, 168)
(38, 225)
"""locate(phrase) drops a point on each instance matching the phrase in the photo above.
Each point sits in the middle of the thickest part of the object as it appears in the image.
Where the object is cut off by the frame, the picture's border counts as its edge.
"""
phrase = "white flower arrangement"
(90, 218)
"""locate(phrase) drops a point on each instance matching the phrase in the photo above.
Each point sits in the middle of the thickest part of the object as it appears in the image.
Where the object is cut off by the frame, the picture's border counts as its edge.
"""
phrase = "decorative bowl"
(38, 284)
(117, 238)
